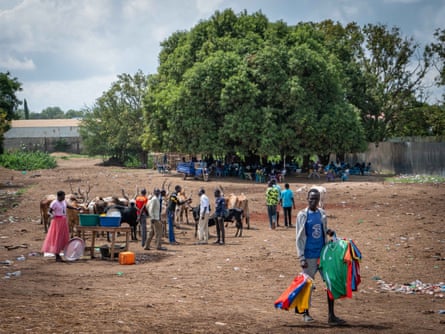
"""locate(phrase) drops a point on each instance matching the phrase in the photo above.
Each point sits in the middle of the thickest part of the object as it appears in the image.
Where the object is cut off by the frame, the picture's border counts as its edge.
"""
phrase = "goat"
(301, 190)
(321, 190)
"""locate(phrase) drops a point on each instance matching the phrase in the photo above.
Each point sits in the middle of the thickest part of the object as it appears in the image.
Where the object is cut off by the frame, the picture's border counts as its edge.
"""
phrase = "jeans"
(170, 221)
(143, 229)
(272, 213)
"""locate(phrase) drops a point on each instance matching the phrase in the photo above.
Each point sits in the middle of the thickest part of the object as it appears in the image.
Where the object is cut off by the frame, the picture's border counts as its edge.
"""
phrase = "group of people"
(311, 226)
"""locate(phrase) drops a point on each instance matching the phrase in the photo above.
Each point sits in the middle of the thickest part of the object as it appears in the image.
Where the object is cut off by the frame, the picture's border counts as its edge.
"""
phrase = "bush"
(27, 160)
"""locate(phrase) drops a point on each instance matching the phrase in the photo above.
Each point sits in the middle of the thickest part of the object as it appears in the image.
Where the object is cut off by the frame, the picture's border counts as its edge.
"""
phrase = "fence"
(414, 156)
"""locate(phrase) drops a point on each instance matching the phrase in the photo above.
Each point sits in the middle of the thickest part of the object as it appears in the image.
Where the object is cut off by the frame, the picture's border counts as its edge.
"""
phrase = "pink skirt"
(57, 237)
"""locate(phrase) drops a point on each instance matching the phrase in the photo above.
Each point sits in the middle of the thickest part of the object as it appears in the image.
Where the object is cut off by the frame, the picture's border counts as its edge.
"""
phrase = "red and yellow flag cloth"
(297, 295)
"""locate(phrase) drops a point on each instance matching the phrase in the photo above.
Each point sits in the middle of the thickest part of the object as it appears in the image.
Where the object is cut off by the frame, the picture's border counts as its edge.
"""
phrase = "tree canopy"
(242, 84)
(114, 125)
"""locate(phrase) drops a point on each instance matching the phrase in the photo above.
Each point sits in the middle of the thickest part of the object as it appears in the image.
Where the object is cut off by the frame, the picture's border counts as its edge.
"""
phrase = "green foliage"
(238, 83)
(132, 162)
(9, 87)
(22, 160)
(61, 145)
(8, 102)
(114, 125)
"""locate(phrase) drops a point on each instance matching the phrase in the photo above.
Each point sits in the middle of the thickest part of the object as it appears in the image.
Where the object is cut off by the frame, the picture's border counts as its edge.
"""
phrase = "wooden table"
(81, 230)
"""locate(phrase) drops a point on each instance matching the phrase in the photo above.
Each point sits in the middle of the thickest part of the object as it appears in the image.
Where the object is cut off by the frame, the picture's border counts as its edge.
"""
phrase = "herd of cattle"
(237, 205)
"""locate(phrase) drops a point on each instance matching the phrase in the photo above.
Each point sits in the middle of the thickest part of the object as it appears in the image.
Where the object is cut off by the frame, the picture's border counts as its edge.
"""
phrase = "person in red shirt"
(141, 203)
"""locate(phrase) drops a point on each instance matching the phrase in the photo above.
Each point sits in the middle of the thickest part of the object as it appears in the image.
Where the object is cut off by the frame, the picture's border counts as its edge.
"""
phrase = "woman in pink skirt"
(58, 233)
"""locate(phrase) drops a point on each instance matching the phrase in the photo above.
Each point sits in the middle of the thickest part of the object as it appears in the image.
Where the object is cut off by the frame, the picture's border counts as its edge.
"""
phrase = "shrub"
(21, 160)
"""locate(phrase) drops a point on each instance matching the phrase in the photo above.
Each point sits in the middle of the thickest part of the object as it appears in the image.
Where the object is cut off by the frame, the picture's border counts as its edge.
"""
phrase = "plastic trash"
(21, 258)
(7, 262)
(14, 274)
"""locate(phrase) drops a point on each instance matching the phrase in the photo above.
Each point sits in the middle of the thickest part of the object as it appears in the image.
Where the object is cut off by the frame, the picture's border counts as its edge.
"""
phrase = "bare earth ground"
(221, 289)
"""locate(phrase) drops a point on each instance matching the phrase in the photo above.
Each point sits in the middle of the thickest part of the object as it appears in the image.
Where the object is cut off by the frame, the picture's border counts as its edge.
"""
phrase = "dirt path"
(221, 289)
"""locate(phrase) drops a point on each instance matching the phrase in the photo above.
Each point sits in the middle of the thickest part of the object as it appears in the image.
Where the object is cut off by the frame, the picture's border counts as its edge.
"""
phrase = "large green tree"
(242, 84)
(114, 125)
(393, 79)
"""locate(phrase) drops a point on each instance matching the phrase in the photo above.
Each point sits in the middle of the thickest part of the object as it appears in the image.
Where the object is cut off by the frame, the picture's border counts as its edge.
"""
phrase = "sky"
(67, 53)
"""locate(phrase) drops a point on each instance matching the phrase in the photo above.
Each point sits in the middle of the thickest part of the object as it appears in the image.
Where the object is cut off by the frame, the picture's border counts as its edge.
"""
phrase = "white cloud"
(12, 63)
(63, 50)
(75, 94)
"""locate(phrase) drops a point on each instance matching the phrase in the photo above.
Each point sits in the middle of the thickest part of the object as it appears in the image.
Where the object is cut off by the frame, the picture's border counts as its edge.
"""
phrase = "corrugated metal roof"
(44, 128)
(38, 123)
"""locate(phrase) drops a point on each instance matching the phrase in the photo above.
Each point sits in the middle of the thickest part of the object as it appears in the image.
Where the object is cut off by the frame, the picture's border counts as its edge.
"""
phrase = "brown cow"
(72, 215)
(44, 210)
(240, 202)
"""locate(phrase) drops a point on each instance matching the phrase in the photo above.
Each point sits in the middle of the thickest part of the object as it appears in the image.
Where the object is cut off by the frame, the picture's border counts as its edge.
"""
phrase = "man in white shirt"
(204, 213)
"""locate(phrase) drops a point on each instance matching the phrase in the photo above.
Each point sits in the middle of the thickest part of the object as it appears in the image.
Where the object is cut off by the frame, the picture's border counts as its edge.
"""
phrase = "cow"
(239, 202)
(182, 209)
(234, 214)
(73, 218)
(72, 215)
(44, 210)
(128, 215)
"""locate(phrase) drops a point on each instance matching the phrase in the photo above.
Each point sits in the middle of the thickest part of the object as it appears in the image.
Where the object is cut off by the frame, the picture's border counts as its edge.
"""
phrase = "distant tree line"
(237, 84)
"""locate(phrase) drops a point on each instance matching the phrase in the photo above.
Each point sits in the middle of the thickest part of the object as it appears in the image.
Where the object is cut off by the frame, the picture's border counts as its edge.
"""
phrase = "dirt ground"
(399, 228)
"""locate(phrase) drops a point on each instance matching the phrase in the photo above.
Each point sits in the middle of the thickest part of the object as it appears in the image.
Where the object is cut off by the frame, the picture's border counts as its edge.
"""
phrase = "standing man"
(277, 186)
(141, 205)
(173, 201)
(204, 213)
(154, 213)
(220, 211)
(272, 199)
(287, 202)
(311, 236)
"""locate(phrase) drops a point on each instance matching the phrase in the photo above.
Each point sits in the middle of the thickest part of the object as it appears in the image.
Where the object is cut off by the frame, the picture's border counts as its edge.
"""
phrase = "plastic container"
(110, 221)
(105, 251)
(126, 258)
(88, 220)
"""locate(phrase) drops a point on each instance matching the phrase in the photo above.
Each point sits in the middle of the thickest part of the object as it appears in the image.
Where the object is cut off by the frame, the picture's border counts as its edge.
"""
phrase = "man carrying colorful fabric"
(311, 236)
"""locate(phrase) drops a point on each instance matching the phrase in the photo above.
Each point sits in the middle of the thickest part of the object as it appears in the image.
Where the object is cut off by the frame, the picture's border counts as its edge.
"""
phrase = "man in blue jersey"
(311, 236)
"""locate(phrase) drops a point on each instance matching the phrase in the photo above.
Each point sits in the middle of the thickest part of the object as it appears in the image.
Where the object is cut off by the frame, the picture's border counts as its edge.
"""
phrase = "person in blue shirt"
(287, 202)
(311, 236)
